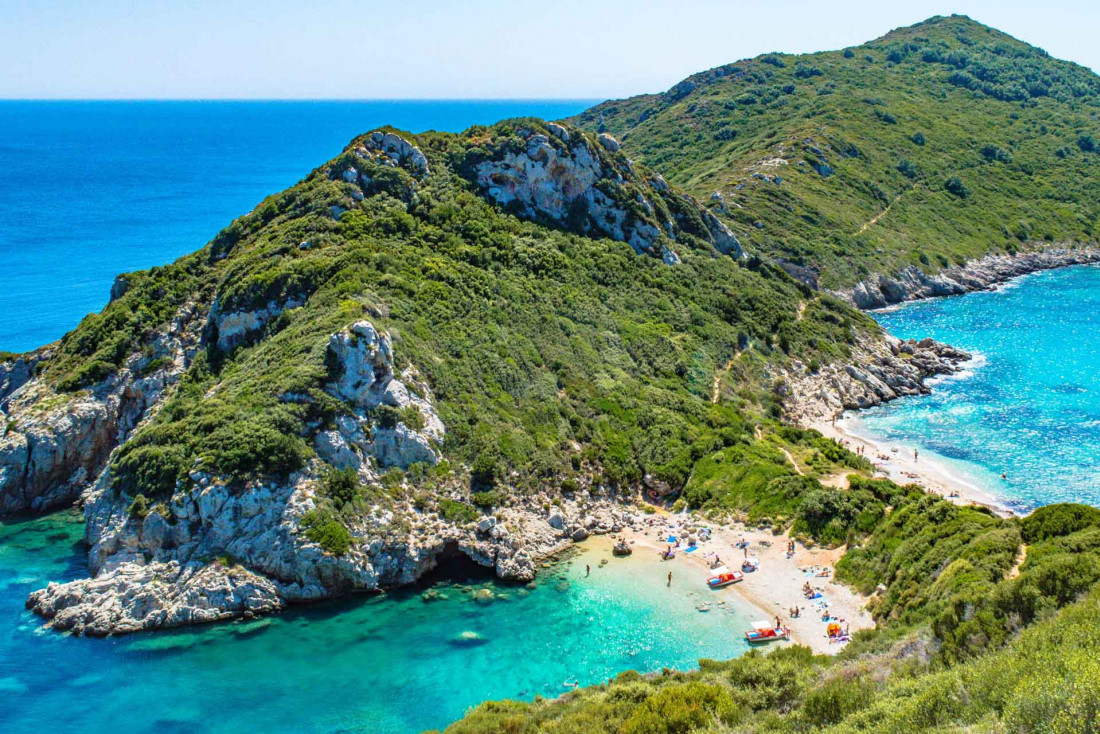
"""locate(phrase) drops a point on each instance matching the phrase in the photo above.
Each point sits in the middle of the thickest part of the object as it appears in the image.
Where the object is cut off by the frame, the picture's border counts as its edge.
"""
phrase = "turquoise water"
(370, 664)
(1031, 408)
(93, 189)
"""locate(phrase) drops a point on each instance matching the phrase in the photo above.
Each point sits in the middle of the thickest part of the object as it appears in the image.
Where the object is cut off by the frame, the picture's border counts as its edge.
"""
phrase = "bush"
(457, 512)
(1055, 521)
(955, 186)
(917, 138)
(1086, 143)
(139, 508)
(993, 153)
(488, 499)
(906, 168)
(682, 709)
(323, 528)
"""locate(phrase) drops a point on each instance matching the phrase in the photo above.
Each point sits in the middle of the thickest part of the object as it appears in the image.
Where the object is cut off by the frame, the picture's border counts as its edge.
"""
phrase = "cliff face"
(55, 444)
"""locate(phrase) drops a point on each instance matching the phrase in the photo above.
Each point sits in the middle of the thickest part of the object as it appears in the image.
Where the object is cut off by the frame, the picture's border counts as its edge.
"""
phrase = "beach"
(773, 590)
(897, 461)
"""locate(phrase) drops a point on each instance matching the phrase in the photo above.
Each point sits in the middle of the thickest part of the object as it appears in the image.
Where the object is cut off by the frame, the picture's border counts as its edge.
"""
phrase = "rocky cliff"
(56, 443)
(880, 370)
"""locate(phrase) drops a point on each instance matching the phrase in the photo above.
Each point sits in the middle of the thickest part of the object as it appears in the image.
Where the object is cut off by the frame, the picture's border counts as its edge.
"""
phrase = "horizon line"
(300, 99)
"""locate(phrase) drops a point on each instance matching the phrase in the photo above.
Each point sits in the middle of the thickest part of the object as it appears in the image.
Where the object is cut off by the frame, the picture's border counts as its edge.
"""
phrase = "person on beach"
(914, 454)
(669, 584)
(587, 570)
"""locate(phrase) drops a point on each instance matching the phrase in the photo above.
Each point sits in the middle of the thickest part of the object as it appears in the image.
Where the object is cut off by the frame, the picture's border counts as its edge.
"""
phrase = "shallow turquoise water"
(1031, 408)
(370, 664)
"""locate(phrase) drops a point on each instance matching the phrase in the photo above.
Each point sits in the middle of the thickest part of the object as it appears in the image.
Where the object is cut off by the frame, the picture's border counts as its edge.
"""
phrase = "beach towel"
(691, 549)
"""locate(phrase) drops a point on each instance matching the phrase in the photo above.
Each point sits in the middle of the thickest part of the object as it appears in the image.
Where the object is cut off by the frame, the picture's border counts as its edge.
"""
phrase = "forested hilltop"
(933, 145)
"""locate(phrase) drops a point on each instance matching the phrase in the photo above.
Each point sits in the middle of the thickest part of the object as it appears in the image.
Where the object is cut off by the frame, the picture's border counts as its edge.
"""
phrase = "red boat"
(766, 632)
(724, 577)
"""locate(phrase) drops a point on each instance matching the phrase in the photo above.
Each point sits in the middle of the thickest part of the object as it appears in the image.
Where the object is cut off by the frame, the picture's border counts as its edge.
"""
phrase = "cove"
(1030, 405)
(391, 663)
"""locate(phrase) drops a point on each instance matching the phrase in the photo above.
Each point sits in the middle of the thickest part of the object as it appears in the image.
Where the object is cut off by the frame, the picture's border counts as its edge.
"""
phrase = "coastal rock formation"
(881, 369)
(559, 175)
(231, 552)
(912, 283)
(55, 444)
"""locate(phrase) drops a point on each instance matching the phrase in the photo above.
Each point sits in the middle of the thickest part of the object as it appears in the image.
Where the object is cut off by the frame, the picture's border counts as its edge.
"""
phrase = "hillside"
(929, 147)
(441, 344)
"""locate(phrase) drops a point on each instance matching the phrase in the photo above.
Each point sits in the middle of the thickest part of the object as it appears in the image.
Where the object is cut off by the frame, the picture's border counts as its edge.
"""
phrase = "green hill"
(932, 145)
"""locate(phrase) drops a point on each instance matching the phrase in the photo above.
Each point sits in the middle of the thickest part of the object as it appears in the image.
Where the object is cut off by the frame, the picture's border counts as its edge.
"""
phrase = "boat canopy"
(762, 625)
(719, 571)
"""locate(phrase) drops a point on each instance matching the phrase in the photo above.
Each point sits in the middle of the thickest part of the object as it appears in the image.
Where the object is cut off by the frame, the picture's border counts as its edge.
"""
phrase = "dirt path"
(716, 386)
(838, 480)
(801, 311)
(1015, 570)
(874, 220)
(794, 463)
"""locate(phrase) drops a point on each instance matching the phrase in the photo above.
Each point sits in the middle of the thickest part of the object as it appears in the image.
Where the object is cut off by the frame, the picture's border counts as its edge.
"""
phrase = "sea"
(1022, 420)
(92, 189)
(89, 190)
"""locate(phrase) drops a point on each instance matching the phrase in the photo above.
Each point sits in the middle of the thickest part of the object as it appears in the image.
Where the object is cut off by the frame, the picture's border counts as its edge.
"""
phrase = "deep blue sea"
(89, 190)
(1030, 405)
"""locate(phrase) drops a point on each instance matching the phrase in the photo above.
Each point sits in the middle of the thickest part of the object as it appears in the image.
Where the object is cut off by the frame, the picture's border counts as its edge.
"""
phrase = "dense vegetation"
(549, 353)
(859, 161)
(554, 356)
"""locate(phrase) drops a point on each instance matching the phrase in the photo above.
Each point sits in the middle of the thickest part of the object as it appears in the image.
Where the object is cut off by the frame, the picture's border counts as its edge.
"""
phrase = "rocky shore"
(881, 369)
(912, 283)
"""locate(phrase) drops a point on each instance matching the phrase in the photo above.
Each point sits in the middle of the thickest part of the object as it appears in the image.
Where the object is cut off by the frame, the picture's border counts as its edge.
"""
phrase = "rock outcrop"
(234, 328)
(231, 552)
(54, 445)
(912, 283)
(392, 421)
(559, 175)
(881, 369)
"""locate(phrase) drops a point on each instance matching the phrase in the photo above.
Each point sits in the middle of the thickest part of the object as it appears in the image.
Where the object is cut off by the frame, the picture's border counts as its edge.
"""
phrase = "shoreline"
(900, 466)
(981, 274)
(773, 590)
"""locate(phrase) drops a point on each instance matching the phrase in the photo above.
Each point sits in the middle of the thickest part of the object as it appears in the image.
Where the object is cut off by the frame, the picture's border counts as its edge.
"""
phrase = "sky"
(431, 49)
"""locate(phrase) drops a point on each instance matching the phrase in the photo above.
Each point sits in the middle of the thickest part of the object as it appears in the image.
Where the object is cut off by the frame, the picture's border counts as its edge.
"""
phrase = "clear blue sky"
(434, 49)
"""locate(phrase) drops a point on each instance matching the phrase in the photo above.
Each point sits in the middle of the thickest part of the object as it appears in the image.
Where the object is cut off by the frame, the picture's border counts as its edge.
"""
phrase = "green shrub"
(682, 709)
(486, 500)
(457, 512)
(139, 507)
(1053, 521)
(323, 528)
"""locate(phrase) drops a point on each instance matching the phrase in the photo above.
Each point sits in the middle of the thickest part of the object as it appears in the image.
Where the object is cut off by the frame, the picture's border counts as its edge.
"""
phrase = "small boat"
(750, 564)
(766, 632)
(724, 577)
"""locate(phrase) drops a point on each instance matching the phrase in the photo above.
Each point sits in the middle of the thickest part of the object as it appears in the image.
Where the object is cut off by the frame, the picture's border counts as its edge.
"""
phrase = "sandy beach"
(897, 462)
(773, 590)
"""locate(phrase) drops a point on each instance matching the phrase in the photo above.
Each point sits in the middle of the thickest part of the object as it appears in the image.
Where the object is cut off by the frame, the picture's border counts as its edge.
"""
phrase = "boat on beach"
(723, 577)
(766, 632)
